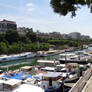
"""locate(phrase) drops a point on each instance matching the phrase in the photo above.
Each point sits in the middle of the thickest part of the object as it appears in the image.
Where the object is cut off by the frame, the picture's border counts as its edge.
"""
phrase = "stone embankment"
(80, 84)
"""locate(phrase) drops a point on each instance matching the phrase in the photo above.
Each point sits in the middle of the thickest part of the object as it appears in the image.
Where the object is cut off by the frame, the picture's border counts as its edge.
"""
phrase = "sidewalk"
(88, 86)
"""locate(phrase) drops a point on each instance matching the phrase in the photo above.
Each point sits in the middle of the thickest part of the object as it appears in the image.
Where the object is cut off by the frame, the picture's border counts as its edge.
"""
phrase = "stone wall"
(81, 82)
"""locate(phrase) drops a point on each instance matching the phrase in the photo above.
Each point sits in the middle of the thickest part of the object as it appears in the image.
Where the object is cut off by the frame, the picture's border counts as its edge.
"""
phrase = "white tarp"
(28, 88)
(12, 82)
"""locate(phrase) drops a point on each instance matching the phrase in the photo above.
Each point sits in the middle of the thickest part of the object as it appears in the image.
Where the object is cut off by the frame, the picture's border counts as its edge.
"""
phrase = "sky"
(39, 15)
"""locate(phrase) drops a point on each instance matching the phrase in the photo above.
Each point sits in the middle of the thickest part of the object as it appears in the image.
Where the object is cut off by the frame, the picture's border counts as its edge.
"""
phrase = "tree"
(2, 37)
(28, 47)
(31, 35)
(63, 7)
(3, 48)
(15, 48)
(24, 39)
(12, 36)
(46, 46)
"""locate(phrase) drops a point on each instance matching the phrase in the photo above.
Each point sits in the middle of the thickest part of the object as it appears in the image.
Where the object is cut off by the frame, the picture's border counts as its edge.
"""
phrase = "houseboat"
(16, 56)
(49, 82)
(48, 53)
(45, 63)
(19, 82)
(75, 58)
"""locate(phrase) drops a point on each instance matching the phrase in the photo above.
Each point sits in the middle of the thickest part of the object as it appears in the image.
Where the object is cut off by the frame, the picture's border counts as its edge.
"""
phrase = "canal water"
(29, 60)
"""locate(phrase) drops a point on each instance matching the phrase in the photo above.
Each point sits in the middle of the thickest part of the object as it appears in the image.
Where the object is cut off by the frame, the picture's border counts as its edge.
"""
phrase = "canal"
(29, 60)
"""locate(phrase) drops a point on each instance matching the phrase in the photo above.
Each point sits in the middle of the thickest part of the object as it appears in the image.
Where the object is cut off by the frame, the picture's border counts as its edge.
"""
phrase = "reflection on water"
(55, 57)
(90, 48)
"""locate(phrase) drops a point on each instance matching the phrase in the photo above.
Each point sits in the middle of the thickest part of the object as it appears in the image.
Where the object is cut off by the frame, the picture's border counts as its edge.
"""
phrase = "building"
(75, 35)
(7, 25)
(22, 30)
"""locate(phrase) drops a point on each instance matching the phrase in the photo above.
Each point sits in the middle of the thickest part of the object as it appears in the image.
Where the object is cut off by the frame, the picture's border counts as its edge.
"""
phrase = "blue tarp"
(18, 76)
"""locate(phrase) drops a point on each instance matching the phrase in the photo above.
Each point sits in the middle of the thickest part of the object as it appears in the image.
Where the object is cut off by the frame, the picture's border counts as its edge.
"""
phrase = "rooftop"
(52, 74)
(12, 82)
(28, 88)
(26, 67)
(49, 68)
(10, 22)
(46, 61)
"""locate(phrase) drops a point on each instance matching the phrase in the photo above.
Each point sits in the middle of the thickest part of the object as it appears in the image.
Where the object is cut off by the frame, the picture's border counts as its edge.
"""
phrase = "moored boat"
(4, 58)
(80, 58)
(48, 53)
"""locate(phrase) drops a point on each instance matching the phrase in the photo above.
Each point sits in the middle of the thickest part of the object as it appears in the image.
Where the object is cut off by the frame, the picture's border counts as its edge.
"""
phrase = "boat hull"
(53, 89)
(68, 61)
(10, 58)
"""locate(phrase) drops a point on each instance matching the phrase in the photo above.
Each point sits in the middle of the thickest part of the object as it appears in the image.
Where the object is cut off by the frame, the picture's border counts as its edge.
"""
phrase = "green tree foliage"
(64, 42)
(13, 43)
(3, 48)
(31, 35)
(2, 37)
(12, 36)
(15, 48)
(43, 39)
(46, 46)
(63, 7)
(28, 47)
(24, 39)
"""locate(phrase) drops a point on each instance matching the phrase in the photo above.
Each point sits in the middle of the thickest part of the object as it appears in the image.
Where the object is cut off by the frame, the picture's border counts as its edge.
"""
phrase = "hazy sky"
(39, 15)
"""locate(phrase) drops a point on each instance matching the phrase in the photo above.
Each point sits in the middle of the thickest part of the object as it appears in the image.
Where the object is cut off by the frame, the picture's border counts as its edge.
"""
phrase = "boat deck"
(69, 84)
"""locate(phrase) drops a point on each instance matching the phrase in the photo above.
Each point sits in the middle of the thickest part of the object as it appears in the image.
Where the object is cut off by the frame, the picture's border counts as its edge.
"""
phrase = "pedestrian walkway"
(88, 86)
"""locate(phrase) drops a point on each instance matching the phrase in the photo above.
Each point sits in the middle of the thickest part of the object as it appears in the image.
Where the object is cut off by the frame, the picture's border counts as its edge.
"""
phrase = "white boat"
(67, 57)
(16, 56)
(85, 46)
(49, 82)
(28, 88)
(26, 55)
(47, 53)
(90, 45)
(47, 63)
(79, 57)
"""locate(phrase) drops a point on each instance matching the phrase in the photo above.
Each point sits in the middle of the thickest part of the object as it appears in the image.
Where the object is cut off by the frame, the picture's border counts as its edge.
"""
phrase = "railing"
(81, 82)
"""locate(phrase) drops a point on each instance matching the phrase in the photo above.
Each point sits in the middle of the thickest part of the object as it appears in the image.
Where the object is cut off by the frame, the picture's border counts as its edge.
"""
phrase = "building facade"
(7, 25)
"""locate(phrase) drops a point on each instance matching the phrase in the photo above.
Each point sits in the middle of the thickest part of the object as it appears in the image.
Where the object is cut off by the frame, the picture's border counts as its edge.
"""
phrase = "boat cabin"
(30, 69)
(47, 63)
(52, 69)
(51, 82)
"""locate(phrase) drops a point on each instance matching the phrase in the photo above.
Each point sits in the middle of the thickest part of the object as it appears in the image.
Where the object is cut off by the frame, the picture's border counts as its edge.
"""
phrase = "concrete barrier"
(81, 82)
(87, 75)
